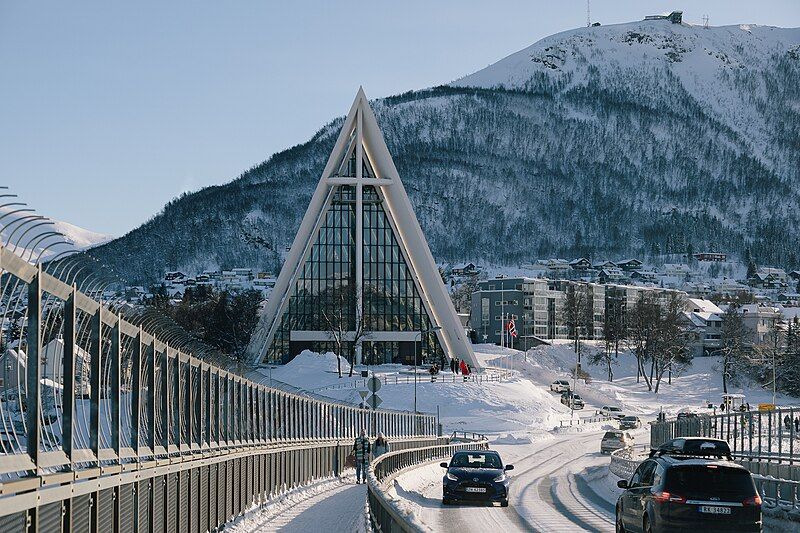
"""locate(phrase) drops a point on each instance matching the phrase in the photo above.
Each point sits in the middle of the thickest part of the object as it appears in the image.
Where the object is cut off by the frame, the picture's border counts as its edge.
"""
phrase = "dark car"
(475, 476)
(630, 422)
(572, 399)
(689, 487)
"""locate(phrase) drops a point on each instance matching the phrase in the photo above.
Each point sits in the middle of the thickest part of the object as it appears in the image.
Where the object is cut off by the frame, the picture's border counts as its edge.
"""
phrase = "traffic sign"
(375, 401)
(374, 384)
(363, 394)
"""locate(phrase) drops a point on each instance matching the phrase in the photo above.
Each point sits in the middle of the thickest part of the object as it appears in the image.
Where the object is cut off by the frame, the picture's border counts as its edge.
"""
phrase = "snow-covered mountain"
(603, 141)
(36, 237)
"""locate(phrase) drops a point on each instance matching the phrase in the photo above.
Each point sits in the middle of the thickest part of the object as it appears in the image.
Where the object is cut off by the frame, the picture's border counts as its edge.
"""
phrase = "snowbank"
(310, 370)
(511, 439)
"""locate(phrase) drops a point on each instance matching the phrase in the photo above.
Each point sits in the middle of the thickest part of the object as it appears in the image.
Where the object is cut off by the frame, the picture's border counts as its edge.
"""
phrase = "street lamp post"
(419, 336)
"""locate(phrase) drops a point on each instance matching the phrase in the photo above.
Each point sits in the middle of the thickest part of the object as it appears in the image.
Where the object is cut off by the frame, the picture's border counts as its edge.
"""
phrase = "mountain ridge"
(583, 155)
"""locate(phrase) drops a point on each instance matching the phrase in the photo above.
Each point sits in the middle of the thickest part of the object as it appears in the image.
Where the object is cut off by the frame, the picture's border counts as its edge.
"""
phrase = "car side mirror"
(509, 467)
(622, 483)
(443, 465)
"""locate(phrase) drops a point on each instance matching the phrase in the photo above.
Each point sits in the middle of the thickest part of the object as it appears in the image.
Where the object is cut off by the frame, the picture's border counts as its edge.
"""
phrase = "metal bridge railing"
(109, 423)
(753, 435)
(625, 461)
(384, 516)
(422, 377)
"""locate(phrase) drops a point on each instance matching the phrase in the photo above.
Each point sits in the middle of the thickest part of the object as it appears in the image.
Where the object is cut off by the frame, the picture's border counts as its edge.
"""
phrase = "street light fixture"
(419, 336)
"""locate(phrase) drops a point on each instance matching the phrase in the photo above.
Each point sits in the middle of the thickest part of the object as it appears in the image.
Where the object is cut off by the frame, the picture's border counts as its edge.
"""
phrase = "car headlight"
(451, 477)
(500, 478)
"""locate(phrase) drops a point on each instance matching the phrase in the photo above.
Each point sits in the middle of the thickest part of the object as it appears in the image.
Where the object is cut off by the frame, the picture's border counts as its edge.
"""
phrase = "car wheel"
(504, 503)
(647, 527)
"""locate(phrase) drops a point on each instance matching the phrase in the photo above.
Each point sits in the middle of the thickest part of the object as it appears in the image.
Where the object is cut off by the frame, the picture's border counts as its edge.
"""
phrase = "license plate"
(475, 489)
(715, 509)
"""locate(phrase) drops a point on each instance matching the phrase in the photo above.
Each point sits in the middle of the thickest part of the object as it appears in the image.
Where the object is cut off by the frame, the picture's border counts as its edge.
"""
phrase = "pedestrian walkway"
(330, 506)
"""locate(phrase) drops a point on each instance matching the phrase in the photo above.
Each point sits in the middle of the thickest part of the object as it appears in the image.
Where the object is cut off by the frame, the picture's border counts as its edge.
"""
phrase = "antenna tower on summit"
(705, 21)
(588, 16)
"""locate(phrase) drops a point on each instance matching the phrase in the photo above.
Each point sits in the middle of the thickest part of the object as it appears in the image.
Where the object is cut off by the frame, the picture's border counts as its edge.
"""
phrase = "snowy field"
(523, 406)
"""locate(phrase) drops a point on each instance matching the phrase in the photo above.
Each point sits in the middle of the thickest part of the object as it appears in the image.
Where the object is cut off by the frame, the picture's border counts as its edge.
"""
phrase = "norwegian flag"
(512, 328)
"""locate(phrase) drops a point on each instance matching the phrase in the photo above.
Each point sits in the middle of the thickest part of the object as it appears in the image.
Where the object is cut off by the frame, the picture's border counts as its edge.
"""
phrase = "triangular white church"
(360, 237)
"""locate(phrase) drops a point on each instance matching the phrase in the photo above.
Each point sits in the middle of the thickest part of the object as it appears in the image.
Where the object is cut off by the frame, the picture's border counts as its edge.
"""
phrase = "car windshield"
(576, 396)
(614, 409)
(476, 460)
(630, 418)
(612, 435)
(713, 480)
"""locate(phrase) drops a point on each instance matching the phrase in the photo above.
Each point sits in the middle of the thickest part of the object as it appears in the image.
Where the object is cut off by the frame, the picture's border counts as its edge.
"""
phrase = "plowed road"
(549, 491)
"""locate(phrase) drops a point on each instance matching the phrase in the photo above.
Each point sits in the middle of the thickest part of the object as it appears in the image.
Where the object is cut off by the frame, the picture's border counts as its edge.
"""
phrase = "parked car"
(686, 414)
(615, 440)
(687, 485)
(560, 385)
(475, 476)
(612, 410)
(572, 399)
(630, 422)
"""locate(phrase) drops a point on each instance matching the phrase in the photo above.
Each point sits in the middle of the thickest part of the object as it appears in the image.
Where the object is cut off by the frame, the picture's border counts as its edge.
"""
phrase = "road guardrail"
(384, 515)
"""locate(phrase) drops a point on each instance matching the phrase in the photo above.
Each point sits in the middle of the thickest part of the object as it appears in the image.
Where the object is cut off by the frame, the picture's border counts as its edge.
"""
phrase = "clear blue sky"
(110, 109)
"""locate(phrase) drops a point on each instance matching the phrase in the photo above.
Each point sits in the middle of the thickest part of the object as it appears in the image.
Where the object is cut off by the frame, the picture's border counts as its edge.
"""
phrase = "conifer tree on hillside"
(733, 348)
(789, 378)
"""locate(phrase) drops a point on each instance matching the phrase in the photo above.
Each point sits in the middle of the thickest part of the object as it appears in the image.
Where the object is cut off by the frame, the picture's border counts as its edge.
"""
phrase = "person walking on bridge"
(361, 449)
(381, 445)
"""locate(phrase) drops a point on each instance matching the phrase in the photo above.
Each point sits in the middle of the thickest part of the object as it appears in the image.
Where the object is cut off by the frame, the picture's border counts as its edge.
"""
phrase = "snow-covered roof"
(705, 306)
(579, 260)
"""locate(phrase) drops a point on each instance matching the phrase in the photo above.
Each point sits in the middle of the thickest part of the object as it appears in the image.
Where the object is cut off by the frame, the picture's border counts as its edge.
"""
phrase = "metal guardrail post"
(136, 391)
(95, 351)
(114, 394)
(68, 391)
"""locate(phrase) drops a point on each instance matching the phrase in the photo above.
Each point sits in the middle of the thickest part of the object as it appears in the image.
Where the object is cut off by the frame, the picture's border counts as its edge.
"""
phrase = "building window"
(391, 298)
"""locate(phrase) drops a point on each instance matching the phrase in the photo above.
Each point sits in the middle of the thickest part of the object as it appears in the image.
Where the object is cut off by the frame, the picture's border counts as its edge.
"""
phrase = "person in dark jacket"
(453, 365)
(361, 450)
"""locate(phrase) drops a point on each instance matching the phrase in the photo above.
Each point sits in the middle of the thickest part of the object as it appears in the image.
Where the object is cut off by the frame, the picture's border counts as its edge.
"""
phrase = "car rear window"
(476, 460)
(612, 435)
(711, 480)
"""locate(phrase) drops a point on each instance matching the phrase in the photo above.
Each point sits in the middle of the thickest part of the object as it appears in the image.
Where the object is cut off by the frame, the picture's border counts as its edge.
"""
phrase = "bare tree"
(672, 349)
(642, 320)
(613, 334)
(574, 313)
(339, 317)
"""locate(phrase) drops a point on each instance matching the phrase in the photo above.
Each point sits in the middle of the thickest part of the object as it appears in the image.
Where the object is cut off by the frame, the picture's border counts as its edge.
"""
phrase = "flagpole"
(502, 315)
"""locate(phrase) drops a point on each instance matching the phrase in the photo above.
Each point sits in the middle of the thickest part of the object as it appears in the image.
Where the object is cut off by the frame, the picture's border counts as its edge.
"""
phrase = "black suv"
(689, 484)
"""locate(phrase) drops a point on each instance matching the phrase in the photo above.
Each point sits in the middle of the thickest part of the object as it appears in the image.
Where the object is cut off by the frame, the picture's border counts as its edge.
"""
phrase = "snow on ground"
(517, 406)
(523, 406)
(692, 388)
(309, 371)
(333, 504)
(548, 491)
